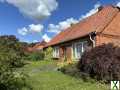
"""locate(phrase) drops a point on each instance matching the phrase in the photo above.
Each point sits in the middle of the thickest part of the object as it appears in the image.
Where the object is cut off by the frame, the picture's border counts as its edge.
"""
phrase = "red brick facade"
(104, 25)
(105, 39)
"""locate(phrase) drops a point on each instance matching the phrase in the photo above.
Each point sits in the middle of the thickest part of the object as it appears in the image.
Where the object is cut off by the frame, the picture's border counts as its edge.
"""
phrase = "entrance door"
(65, 53)
(68, 53)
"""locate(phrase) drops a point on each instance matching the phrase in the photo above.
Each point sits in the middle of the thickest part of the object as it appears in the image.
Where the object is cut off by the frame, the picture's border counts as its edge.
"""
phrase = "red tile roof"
(114, 27)
(96, 22)
(37, 46)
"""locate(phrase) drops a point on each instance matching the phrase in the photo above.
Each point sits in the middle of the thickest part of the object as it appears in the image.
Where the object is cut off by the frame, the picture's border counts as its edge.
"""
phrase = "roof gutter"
(92, 38)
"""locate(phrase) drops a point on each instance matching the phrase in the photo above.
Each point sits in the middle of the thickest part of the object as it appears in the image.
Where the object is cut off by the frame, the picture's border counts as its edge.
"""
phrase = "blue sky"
(35, 20)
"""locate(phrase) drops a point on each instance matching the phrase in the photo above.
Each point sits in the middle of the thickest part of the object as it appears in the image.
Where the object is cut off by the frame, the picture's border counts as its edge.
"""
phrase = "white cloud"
(67, 23)
(91, 12)
(36, 9)
(31, 29)
(46, 38)
(23, 31)
(118, 4)
(52, 28)
(61, 25)
(35, 28)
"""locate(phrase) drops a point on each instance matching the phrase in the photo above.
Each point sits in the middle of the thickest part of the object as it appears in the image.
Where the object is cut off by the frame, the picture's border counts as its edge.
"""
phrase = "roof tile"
(96, 22)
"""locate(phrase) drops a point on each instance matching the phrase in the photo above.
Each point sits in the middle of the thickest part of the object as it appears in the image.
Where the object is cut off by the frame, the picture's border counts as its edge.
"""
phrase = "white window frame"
(74, 49)
(56, 52)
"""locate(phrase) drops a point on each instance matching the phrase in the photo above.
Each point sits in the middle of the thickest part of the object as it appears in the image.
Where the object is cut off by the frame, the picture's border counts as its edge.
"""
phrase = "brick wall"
(111, 34)
(105, 39)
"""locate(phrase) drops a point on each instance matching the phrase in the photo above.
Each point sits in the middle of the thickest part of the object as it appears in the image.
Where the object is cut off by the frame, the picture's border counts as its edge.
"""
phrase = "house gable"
(97, 22)
(114, 27)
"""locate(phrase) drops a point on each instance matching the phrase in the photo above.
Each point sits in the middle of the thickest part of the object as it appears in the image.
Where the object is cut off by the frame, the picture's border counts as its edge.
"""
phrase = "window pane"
(56, 52)
(79, 50)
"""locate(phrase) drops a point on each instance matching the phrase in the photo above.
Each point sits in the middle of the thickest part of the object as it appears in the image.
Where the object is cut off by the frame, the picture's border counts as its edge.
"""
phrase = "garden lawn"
(43, 75)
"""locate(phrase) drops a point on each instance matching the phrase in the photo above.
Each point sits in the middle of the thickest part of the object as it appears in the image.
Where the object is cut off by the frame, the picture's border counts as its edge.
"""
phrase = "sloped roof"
(96, 22)
(114, 27)
(39, 45)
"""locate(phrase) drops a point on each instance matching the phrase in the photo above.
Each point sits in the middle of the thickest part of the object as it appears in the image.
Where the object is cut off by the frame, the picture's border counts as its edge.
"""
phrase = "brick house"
(37, 47)
(102, 27)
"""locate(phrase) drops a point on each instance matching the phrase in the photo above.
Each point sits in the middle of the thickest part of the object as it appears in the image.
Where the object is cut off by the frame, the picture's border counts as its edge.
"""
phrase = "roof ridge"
(96, 22)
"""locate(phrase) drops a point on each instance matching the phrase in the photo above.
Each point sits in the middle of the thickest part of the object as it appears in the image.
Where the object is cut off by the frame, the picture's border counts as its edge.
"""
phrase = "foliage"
(40, 55)
(11, 56)
(48, 53)
(9, 80)
(14, 49)
(70, 69)
(61, 64)
(37, 55)
(102, 62)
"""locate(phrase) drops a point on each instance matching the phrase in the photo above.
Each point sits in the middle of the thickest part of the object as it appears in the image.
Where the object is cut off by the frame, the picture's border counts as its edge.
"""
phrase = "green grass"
(44, 76)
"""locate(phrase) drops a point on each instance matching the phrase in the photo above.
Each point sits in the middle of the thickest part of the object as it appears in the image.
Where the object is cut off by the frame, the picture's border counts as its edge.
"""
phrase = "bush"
(13, 49)
(101, 63)
(9, 80)
(48, 53)
(70, 69)
(38, 55)
(11, 57)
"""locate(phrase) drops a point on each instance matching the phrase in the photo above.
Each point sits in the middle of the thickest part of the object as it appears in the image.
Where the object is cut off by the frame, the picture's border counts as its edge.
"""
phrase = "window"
(56, 52)
(78, 51)
(79, 48)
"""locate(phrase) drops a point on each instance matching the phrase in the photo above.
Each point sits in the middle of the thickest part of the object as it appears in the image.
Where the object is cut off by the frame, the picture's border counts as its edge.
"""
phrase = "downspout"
(92, 39)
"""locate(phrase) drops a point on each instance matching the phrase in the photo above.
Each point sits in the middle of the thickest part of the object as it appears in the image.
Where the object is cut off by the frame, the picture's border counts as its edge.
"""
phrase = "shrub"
(102, 62)
(11, 56)
(13, 49)
(70, 69)
(9, 80)
(38, 55)
(48, 53)
(12, 59)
